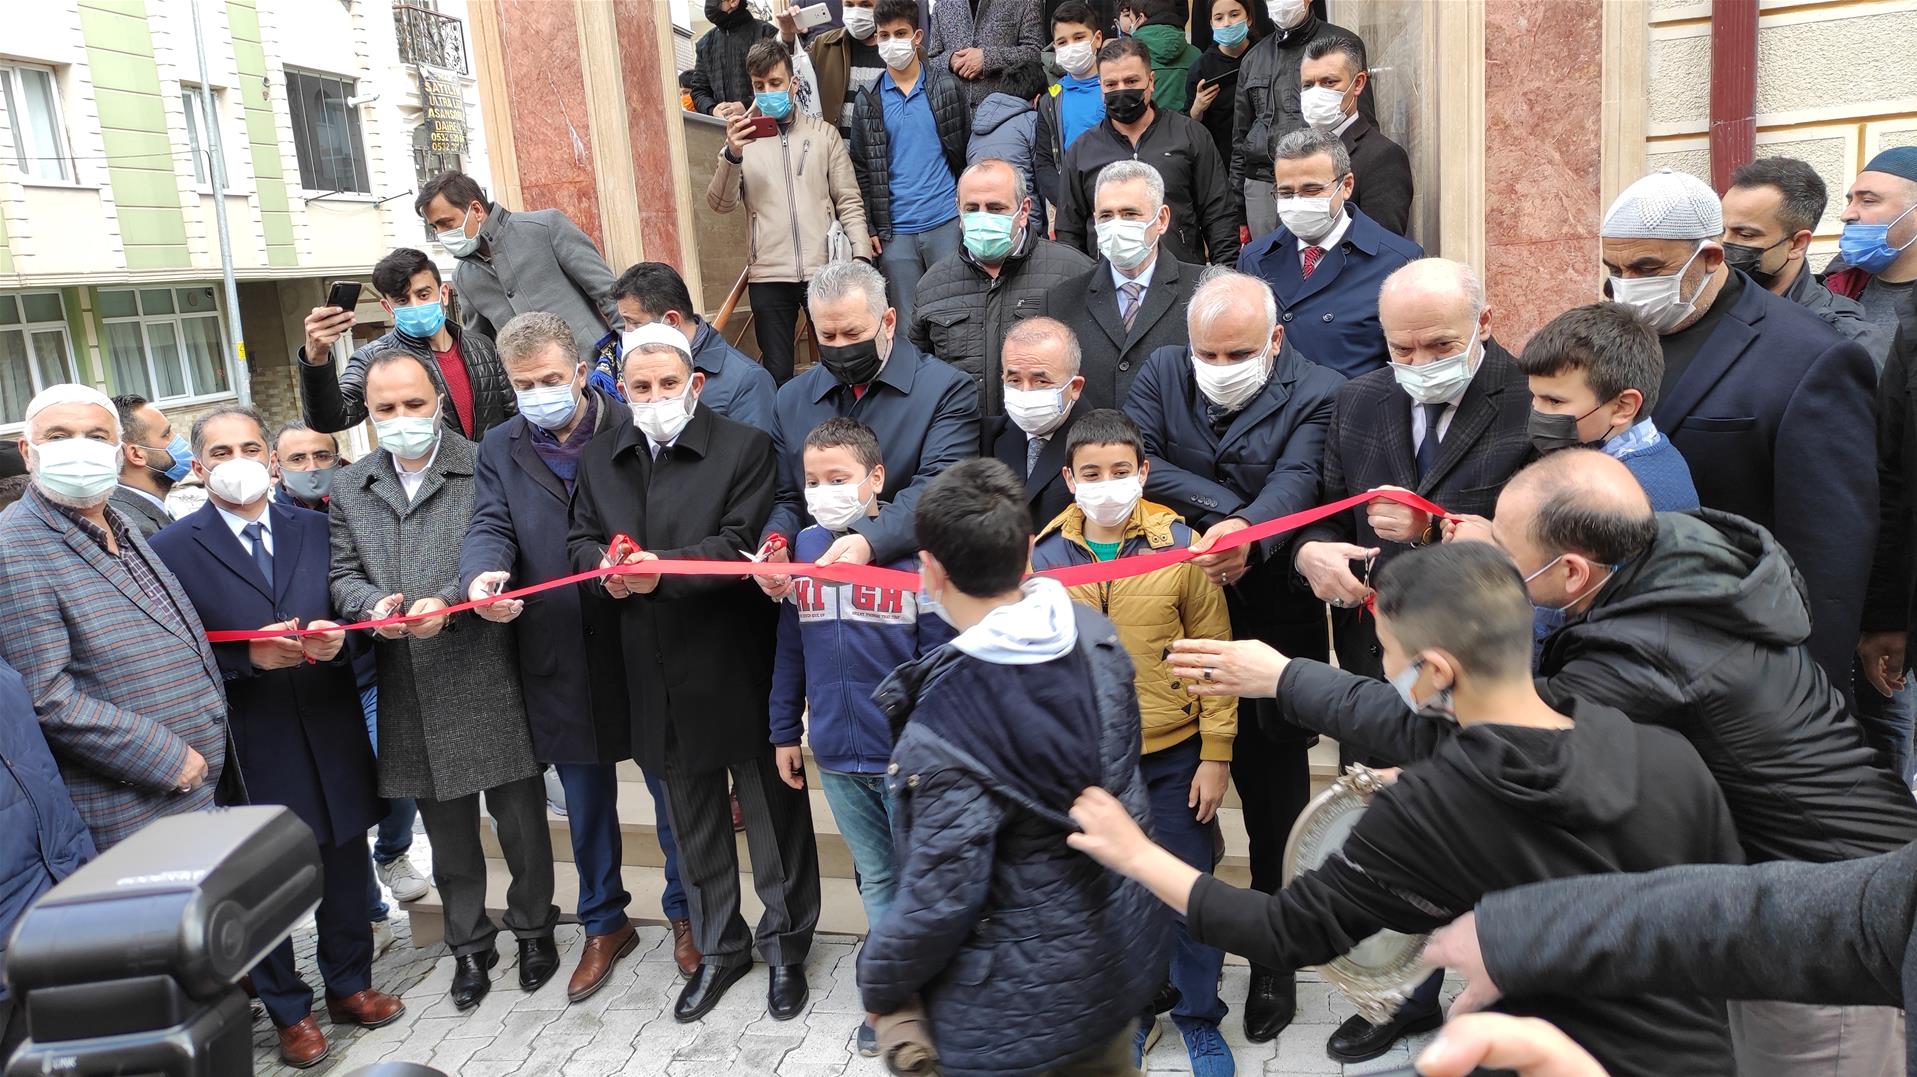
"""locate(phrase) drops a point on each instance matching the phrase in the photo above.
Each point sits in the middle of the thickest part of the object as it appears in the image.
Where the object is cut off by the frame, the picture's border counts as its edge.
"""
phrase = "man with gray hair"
(924, 411)
(1235, 430)
(1327, 259)
(1768, 404)
(1133, 301)
(968, 299)
(1044, 390)
(113, 654)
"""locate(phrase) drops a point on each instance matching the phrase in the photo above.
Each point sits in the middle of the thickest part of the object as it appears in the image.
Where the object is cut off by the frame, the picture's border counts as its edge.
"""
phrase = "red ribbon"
(874, 575)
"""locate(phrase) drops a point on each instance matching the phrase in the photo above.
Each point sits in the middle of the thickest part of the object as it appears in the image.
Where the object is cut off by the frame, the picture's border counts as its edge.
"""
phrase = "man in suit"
(304, 463)
(1758, 394)
(1044, 389)
(737, 387)
(681, 481)
(1328, 258)
(1234, 429)
(293, 708)
(568, 639)
(451, 721)
(126, 688)
(1133, 301)
(1332, 78)
(152, 458)
(924, 411)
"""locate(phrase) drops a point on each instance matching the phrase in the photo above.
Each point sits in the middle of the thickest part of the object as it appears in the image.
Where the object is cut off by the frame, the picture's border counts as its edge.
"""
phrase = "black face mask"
(1744, 257)
(1125, 106)
(1549, 432)
(852, 364)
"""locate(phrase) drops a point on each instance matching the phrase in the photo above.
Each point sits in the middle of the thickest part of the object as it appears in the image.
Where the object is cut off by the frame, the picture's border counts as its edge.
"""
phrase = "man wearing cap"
(1758, 394)
(112, 652)
(1876, 261)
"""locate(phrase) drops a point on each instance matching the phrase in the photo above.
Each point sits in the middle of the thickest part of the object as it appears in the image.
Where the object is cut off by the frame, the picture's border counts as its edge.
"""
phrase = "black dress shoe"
(1358, 1040)
(785, 992)
(472, 978)
(1270, 1004)
(538, 960)
(704, 990)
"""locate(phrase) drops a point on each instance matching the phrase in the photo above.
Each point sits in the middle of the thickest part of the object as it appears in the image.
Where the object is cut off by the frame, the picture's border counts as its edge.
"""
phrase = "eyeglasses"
(317, 459)
(1309, 190)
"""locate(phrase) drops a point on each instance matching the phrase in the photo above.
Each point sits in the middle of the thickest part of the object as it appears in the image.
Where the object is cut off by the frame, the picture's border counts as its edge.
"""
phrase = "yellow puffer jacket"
(1151, 611)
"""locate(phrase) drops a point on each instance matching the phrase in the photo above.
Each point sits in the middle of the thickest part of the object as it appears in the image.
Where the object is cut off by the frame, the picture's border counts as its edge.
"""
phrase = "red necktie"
(1312, 254)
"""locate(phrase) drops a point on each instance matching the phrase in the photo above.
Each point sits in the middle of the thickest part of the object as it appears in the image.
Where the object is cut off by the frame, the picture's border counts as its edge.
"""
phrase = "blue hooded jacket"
(42, 837)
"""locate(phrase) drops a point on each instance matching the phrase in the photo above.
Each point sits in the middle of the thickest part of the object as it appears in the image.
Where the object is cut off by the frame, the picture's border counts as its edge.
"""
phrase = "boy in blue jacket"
(836, 643)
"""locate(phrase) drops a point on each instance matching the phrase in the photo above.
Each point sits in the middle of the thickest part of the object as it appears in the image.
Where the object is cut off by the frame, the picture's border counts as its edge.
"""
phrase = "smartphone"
(816, 15)
(344, 294)
(763, 127)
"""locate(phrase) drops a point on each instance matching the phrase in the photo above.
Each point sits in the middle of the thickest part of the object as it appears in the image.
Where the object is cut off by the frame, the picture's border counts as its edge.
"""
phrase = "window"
(198, 133)
(326, 133)
(165, 343)
(31, 100)
(34, 351)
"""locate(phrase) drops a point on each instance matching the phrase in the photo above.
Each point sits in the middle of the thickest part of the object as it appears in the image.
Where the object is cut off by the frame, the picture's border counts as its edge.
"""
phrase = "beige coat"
(790, 185)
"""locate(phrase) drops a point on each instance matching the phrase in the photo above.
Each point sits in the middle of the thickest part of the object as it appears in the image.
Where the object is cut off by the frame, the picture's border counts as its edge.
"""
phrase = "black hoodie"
(1497, 806)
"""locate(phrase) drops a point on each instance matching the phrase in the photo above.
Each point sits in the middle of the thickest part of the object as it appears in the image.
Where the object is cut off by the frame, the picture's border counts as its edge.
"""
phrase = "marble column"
(552, 143)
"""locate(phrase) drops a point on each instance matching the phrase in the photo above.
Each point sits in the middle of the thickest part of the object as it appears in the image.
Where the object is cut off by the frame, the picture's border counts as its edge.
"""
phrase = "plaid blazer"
(121, 690)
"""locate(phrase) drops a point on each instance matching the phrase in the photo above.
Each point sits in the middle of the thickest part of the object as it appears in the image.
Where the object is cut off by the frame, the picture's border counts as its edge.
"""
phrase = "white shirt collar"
(1332, 237)
(239, 524)
(410, 481)
(1143, 280)
(1340, 130)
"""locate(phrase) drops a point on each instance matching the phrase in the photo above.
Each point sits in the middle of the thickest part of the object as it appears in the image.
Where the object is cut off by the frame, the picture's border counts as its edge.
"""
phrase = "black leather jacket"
(335, 400)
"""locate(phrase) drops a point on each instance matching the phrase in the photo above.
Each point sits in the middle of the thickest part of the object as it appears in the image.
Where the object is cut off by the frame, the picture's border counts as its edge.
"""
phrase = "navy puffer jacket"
(42, 837)
(1027, 954)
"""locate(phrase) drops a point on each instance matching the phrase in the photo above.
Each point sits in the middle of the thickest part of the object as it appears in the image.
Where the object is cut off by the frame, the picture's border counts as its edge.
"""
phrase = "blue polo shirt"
(1081, 106)
(924, 192)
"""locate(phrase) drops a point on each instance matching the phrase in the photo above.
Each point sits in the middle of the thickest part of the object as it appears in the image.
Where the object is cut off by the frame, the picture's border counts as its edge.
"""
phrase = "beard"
(79, 504)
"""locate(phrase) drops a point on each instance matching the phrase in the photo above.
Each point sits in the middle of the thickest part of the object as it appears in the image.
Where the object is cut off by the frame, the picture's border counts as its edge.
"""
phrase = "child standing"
(1186, 760)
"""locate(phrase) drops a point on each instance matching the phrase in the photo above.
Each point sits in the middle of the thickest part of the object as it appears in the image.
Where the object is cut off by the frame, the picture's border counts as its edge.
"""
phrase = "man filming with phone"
(474, 392)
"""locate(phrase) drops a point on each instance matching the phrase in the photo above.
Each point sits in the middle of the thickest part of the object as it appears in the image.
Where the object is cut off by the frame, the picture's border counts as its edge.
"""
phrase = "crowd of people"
(1659, 625)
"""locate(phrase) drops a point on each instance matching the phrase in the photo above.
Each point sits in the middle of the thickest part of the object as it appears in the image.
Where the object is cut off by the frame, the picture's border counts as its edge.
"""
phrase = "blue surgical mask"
(175, 461)
(421, 320)
(776, 105)
(1867, 246)
(1230, 34)
(548, 407)
(1438, 706)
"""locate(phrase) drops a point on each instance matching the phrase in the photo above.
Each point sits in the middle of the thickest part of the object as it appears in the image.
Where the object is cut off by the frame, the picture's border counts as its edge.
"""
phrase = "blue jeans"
(592, 814)
(1888, 723)
(395, 831)
(673, 901)
(1194, 966)
(905, 258)
(864, 813)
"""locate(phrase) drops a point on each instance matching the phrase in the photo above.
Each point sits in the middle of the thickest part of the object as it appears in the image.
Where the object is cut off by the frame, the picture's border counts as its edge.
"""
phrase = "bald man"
(1690, 621)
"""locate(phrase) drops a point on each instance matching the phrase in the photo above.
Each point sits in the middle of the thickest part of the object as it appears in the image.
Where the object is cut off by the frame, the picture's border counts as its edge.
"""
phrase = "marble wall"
(648, 112)
(552, 143)
(1395, 33)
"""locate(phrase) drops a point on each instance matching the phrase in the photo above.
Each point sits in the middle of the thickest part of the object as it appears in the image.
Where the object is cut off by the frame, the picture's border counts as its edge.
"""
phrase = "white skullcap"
(72, 393)
(654, 333)
(1665, 205)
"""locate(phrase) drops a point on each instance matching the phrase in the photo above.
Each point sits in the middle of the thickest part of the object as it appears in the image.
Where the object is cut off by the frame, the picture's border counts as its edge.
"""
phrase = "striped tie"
(1132, 290)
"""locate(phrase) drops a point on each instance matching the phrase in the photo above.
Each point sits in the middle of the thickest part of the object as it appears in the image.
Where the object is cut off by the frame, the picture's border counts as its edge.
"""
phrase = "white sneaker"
(382, 937)
(403, 880)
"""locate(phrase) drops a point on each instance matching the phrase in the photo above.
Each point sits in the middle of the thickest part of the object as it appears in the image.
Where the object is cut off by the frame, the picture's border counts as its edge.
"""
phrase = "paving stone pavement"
(627, 1028)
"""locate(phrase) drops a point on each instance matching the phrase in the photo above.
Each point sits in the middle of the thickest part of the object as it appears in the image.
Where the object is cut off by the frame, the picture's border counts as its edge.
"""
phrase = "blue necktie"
(1428, 448)
(255, 533)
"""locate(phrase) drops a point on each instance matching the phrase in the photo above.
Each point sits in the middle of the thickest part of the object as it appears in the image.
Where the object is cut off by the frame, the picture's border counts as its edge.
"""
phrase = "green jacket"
(1172, 56)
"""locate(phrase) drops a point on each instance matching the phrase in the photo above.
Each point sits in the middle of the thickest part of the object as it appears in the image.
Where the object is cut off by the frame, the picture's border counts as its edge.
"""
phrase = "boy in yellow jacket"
(1186, 758)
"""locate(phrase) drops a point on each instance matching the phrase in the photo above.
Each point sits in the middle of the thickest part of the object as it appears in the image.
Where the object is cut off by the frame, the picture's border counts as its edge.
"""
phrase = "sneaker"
(868, 1040)
(1144, 1040)
(403, 879)
(1210, 1054)
(382, 937)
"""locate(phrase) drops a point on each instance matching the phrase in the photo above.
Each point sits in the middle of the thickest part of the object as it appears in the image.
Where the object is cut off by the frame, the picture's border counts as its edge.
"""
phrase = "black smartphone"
(344, 294)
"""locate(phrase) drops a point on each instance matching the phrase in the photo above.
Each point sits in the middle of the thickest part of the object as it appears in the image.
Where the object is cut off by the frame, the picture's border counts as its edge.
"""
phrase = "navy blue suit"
(1773, 416)
(737, 387)
(298, 734)
(1333, 316)
(1045, 491)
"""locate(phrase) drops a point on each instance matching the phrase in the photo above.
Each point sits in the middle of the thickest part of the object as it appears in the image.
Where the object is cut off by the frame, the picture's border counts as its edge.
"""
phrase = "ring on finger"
(1208, 673)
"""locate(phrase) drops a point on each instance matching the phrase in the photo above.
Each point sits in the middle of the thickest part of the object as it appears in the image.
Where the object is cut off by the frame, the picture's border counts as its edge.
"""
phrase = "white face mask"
(409, 437)
(859, 22)
(897, 52)
(1440, 380)
(661, 420)
(1231, 385)
(835, 507)
(1659, 300)
(1077, 59)
(1310, 219)
(1109, 503)
(456, 241)
(1126, 243)
(239, 481)
(1037, 411)
(1288, 13)
(1323, 107)
(76, 472)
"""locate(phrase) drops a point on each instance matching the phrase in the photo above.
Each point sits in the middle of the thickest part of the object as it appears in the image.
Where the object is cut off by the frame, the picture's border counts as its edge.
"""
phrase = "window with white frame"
(199, 131)
(165, 343)
(326, 135)
(30, 98)
(35, 351)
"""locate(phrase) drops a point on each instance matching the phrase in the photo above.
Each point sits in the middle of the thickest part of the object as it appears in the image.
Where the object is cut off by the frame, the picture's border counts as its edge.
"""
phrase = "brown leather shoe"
(596, 960)
(367, 1009)
(303, 1045)
(684, 950)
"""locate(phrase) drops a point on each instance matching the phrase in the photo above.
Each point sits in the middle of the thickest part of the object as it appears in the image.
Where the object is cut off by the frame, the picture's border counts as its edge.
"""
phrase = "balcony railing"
(430, 38)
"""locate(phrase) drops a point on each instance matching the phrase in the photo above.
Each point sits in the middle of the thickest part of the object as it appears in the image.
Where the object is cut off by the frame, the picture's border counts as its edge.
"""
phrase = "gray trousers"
(459, 863)
(905, 259)
(1789, 1039)
(785, 860)
(1261, 208)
